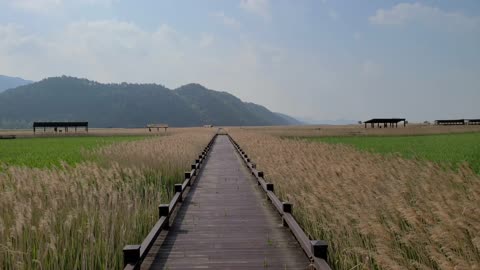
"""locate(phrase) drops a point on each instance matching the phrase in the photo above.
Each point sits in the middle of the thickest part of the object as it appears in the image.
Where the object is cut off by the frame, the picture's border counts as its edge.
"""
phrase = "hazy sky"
(325, 59)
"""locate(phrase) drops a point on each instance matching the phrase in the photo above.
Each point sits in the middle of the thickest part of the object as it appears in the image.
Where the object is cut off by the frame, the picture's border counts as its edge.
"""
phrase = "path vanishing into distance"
(226, 222)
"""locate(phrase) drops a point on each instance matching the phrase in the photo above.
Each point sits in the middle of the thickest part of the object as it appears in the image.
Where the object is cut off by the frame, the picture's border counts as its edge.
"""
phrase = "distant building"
(385, 122)
(157, 126)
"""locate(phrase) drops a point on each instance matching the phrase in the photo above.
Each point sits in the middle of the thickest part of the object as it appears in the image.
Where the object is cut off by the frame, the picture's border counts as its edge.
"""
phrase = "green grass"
(447, 149)
(49, 152)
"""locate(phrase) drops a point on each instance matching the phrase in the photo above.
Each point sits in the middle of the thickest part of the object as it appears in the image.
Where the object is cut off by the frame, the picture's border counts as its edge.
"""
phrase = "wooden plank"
(226, 222)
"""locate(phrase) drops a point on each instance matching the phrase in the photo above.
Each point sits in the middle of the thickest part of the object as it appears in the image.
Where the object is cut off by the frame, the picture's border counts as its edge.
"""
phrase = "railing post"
(194, 167)
(286, 208)
(320, 249)
(270, 187)
(178, 188)
(131, 254)
(187, 176)
(260, 174)
(164, 211)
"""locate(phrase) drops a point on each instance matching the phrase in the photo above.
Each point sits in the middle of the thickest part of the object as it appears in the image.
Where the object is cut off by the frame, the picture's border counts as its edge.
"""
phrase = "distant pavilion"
(57, 125)
(386, 122)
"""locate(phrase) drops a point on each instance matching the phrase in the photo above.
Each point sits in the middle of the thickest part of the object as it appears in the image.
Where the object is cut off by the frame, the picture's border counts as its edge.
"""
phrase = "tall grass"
(80, 217)
(376, 212)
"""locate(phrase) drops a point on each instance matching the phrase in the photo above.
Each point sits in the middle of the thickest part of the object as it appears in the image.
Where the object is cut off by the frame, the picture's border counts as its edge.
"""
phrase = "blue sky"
(316, 59)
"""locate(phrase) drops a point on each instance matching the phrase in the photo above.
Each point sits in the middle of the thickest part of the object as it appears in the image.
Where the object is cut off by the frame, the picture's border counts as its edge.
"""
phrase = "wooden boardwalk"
(226, 222)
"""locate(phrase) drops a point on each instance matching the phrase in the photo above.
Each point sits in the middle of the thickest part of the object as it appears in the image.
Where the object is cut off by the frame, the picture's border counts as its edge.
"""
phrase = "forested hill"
(127, 105)
(11, 82)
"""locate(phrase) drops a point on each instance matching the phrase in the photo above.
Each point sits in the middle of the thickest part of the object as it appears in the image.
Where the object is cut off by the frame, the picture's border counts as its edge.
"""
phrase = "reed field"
(376, 211)
(80, 216)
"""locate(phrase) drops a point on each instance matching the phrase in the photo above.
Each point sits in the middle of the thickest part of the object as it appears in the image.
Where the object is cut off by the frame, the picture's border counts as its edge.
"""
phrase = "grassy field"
(375, 211)
(80, 217)
(447, 149)
(48, 152)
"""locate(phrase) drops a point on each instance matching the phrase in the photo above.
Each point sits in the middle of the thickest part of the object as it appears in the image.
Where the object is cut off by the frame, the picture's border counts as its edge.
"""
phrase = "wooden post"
(163, 211)
(320, 249)
(270, 187)
(286, 208)
(178, 188)
(194, 167)
(131, 254)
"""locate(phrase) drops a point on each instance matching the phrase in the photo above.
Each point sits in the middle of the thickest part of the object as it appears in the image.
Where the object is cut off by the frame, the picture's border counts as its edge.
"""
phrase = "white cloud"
(417, 13)
(106, 50)
(226, 20)
(46, 6)
(258, 7)
(36, 5)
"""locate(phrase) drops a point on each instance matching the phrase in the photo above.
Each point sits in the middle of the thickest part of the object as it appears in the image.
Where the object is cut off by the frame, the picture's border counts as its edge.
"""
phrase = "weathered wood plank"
(226, 222)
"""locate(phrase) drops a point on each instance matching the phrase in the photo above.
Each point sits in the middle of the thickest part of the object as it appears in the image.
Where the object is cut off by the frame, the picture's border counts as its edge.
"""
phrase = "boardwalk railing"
(316, 250)
(133, 255)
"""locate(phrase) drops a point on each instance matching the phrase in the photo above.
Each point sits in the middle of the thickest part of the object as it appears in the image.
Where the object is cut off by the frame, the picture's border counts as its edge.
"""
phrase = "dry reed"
(80, 217)
(376, 212)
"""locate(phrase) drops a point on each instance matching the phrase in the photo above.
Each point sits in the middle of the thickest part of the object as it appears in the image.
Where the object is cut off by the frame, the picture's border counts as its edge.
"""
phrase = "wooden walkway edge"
(226, 222)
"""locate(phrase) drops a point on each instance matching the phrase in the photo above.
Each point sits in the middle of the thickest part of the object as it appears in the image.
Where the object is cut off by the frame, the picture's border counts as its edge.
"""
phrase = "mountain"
(127, 105)
(337, 122)
(290, 120)
(11, 82)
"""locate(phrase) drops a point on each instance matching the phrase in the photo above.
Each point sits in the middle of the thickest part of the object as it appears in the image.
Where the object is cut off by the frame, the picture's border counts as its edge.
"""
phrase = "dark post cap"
(320, 249)
(131, 254)
(270, 187)
(260, 174)
(178, 188)
(163, 210)
(287, 207)
(194, 166)
(187, 175)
